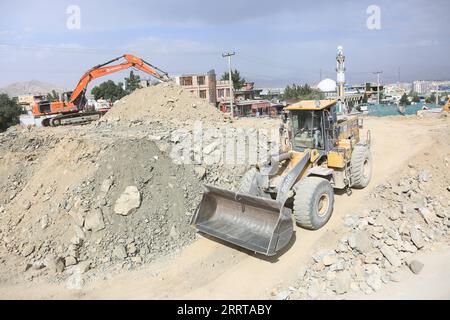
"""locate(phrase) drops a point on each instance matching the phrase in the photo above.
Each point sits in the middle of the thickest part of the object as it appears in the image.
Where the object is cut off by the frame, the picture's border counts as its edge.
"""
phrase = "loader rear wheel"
(313, 203)
(361, 167)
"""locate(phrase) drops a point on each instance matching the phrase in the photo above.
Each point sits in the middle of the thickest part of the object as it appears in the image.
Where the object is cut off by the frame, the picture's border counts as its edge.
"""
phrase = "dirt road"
(210, 270)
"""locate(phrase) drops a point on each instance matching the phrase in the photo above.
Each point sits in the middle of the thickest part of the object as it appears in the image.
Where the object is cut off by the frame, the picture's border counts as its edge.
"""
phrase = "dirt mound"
(58, 208)
(165, 102)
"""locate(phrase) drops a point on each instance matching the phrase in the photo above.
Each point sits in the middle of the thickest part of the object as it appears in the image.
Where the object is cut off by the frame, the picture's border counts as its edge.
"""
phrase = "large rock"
(362, 244)
(106, 185)
(120, 252)
(416, 266)
(427, 215)
(341, 284)
(94, 221)
(416, 237)
(391, 255)
(128, 202)
(27, 250)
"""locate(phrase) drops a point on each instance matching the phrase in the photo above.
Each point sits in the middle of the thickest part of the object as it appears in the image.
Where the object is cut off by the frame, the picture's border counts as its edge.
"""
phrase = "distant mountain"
(32, 87)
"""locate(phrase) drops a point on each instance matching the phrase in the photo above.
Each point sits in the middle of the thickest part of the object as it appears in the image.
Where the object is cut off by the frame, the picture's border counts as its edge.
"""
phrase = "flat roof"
(311, 105)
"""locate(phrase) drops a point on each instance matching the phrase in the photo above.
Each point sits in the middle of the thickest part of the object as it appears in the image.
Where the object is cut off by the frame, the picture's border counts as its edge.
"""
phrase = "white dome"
(327, 85)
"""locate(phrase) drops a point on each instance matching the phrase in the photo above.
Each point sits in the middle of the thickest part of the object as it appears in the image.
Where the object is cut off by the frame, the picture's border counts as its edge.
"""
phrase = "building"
(422, 87)
(26, 101)
(205, 86)
(269, 93)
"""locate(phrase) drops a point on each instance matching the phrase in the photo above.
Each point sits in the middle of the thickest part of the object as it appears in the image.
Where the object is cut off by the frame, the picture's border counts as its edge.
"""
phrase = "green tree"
(365, 98)
(53, 96)
(404, 100)
(9, 112)
(304, 92)
(415, 97)
(238, 82)
(132, 82)
(109, 90)
(431, 99)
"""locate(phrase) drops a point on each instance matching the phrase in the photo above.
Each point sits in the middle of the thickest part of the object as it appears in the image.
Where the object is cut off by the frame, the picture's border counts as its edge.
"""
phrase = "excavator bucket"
(254, 223)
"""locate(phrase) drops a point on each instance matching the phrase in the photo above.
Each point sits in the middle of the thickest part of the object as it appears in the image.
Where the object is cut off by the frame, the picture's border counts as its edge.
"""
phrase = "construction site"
(196, 187)
(104, 210)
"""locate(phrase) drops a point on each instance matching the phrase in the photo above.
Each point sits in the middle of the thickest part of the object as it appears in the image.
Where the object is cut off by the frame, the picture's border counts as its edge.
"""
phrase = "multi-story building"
(205, 86)
(422, 87)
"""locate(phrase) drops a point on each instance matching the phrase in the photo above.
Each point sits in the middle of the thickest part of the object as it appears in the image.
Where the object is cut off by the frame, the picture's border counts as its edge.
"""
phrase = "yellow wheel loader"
(323, 152)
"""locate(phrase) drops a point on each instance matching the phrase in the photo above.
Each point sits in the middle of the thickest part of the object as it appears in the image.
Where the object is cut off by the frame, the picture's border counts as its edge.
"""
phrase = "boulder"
(341, 284)
(70, 261)
(362, 243)
(416, 266)
(120, 252)
(391, 255)
(416, 237)
(94, 221)
(128, 202)
(106, 185)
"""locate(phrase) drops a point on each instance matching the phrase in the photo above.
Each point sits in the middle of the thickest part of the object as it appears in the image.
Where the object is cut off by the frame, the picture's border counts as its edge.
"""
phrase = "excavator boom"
(67, 111)
(105, 69)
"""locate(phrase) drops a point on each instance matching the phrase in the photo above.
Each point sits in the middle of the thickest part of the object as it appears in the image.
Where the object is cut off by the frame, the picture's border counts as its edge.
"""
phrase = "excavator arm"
(105, 69)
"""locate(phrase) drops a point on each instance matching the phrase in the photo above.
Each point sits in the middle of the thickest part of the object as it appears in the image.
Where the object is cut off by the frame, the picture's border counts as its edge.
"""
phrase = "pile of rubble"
(97, 199)
(165, 103)
(405, 217)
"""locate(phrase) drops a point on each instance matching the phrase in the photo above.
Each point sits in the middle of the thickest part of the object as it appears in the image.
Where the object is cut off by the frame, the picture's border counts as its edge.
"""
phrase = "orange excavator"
(72, 107)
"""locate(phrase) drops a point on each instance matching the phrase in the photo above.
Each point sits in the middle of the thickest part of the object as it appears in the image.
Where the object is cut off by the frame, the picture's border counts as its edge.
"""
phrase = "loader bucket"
(257, 224)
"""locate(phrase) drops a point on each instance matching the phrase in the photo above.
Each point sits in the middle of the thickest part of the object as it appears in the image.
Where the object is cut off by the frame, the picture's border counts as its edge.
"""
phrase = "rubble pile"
(113, 195)
(379, 241)
(166, 104)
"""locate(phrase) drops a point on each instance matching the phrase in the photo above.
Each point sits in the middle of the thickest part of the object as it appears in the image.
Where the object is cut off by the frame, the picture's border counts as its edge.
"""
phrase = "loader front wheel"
(313, 203)
(361, 167)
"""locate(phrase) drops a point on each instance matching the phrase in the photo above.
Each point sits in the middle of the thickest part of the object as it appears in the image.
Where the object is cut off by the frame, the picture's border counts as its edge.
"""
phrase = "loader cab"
(311, 125)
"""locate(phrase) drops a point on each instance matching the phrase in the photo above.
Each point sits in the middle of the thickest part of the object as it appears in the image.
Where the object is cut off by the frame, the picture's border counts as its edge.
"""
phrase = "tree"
(404, 100)
(53, 96)
(238, 82)
(365, 98)
(132, 82)
(9, 112)
(304, 92)
(431, 99)
(415, 97)
(109, 90)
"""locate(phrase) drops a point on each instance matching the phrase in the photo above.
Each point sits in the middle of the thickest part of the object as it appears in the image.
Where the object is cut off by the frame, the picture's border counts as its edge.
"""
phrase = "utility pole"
(437, 95)
(378, 84)
(229, 54)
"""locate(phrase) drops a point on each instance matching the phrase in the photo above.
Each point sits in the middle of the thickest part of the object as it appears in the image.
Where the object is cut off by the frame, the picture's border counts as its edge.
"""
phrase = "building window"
(201, 80)
(203, 94)
(227, 92)
(186, 81)
(220, 93)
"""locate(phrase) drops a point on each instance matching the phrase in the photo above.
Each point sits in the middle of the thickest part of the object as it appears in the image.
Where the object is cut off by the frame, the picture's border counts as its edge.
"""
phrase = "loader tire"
(313, 203)
(361, 167)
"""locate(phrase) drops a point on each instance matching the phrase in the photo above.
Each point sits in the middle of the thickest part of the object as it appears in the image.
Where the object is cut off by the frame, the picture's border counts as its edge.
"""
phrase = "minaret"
(340, 69)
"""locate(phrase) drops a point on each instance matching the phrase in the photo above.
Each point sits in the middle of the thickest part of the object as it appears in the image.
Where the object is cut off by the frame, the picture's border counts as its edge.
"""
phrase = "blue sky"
(277, 42)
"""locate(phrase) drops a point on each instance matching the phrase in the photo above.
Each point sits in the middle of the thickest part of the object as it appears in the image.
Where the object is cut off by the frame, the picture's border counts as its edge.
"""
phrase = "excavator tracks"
(71, 119)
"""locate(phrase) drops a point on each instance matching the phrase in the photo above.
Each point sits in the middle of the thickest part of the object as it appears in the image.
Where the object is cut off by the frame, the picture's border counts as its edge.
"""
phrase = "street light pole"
(229, 54)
